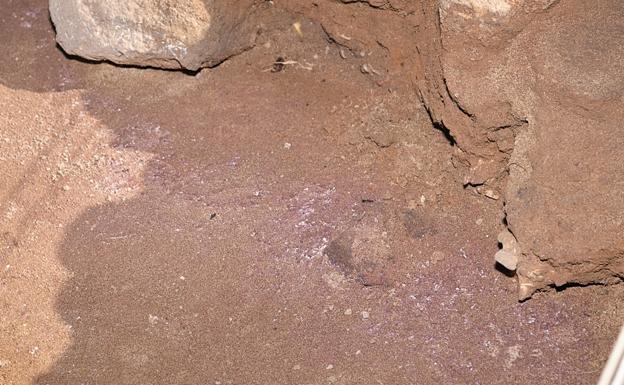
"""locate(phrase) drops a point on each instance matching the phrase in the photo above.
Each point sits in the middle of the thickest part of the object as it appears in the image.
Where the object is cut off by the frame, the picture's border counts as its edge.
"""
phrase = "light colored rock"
(508, 255)
(481, 7)
(175, 34)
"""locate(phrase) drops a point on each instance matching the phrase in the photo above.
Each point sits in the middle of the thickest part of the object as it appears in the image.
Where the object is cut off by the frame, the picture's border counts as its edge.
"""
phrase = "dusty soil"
(249, 226)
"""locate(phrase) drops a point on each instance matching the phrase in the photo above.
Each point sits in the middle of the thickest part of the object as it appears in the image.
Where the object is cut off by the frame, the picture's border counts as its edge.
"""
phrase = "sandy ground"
(243, 226)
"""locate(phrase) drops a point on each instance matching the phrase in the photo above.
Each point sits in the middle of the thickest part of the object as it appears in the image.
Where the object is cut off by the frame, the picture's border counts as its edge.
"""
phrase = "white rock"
(509, 254)
(176, 34)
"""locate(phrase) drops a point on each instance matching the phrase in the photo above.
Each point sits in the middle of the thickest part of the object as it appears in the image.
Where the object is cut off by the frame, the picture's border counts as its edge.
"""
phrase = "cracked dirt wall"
(542, 82)
(528, 92)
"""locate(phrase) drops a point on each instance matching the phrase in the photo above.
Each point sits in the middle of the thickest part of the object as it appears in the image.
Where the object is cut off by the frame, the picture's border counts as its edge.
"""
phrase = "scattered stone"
(436, 257)
(513, 353)
(490, 193)
(365, 314)
(335, 280)
(508, 255)
(348, 312)
(297, 28)
(368, 69)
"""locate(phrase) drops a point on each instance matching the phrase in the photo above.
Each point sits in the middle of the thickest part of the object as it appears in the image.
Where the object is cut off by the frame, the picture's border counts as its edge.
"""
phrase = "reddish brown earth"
(538, 87)
(244, 226)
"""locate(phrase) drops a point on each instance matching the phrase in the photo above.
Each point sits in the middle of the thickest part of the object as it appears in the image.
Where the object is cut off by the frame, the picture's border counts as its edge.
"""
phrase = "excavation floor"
(245, 225)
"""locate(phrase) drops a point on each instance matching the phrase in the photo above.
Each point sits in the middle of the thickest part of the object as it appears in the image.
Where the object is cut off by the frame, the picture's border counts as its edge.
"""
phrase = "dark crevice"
(365, 2)
(521, 122)
(332, 40)
(110, 62)
(439, 125)
(385, 6)
(505, 222)
(567, 285)
(552, 5)
(446, 132)
(456, 102)
(473, 184)
(378, 143)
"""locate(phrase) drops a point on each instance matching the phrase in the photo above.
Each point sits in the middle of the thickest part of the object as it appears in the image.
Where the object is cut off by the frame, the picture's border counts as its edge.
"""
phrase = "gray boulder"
(174, 34)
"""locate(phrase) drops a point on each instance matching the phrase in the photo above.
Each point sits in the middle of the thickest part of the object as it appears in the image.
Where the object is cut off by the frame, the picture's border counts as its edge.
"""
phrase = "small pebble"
(329, 367)
(491, 194)
(365, 315)
(296, 367)
(348, 312)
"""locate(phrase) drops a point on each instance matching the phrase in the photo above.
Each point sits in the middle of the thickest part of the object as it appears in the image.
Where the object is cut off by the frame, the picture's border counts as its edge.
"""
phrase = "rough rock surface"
(540, 83)
(176, 34)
